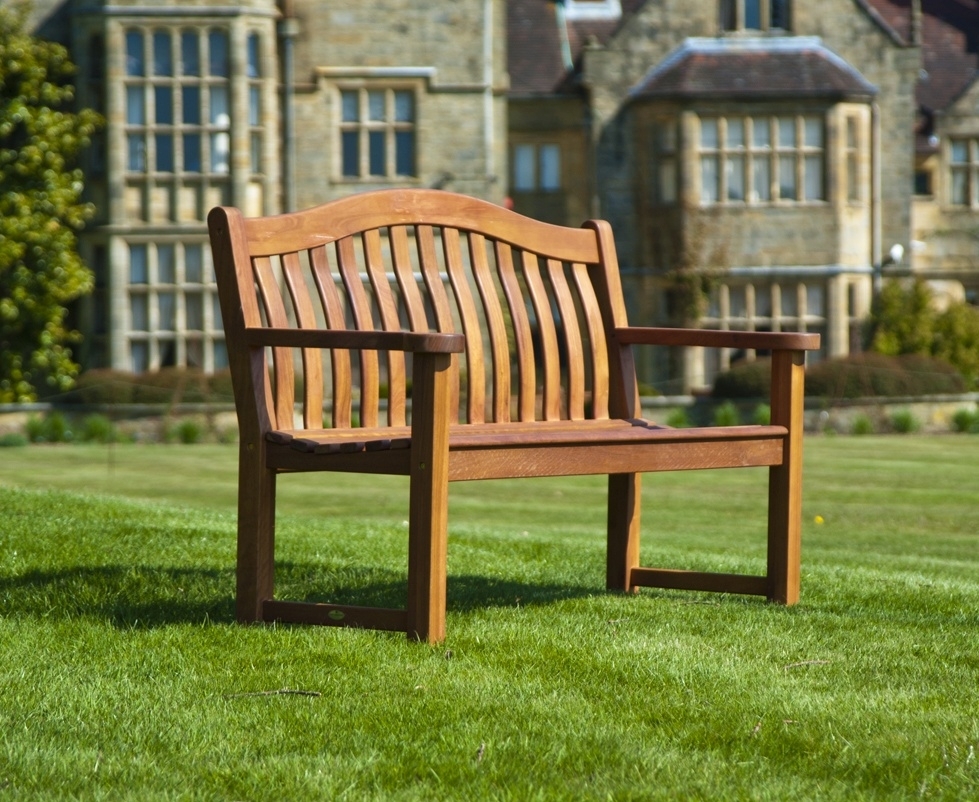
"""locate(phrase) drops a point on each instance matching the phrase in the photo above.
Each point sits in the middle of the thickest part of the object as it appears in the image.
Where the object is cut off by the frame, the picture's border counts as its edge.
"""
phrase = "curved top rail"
(366, 211)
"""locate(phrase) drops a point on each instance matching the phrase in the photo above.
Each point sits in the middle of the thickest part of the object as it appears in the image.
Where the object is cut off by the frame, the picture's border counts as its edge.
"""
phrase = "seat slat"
(547, 336)
(533, 433)
(275, 312)
(333, 313)
(388, 308)
(363, 320)
(587, 458)
(572, 339)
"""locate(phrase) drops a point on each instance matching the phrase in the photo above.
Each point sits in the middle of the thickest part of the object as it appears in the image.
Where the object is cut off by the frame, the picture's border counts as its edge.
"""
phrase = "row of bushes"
(56, 427)
(105, 386)
(856, 376)
(901, 421)
(166, 386)
(864, 375)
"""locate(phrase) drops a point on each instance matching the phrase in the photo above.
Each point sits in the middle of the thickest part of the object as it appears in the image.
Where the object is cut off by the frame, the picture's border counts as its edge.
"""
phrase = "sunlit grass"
(123, 676)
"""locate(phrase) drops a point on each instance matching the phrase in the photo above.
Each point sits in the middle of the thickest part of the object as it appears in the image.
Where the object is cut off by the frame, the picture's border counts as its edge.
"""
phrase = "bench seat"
(546, 448)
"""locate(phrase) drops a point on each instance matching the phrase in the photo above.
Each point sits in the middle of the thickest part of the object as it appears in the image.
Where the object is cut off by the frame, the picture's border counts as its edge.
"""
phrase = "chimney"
(916, 22)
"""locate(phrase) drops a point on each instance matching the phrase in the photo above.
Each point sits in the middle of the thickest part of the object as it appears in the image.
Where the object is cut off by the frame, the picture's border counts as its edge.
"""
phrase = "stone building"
(762, 162)
(757, 158)
(268, 106)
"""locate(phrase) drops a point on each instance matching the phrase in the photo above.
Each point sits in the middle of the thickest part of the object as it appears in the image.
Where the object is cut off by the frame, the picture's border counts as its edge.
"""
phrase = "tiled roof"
(949, 46)
(534, 47)
(754, 68)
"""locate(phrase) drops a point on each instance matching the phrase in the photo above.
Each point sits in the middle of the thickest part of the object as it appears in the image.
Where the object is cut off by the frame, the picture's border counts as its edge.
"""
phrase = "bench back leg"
(623, 530)
(256, 532)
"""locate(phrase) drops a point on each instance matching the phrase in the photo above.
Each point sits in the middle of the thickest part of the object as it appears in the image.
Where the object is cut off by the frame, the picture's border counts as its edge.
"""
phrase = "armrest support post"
(785, 480)
(428, 514)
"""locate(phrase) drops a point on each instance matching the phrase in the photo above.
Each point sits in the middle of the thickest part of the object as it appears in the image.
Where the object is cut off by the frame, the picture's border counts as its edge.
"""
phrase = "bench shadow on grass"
(144, 596)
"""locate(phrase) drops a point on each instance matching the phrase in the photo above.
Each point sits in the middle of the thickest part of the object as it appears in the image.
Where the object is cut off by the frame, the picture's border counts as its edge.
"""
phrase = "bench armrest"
(713, 338)
(414, 342)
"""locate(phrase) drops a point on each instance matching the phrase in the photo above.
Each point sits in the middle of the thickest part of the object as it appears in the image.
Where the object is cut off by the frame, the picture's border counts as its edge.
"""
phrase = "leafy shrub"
(678, 419)
(12, 440)
(966, 420)
(868, 375)
(727, 415)
(97, 429)
(762, 415)
(904, 421)
(905, 320)
(228, 436)
(52, 428)
(745, 380)
(862, 425)
(188, 432)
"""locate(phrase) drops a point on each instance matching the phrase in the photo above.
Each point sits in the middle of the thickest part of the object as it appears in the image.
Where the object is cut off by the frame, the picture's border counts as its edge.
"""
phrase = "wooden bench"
(512, 337)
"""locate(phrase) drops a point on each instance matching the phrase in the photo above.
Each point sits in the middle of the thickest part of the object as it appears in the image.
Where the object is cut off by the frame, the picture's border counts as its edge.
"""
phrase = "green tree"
(905, 320)
(40, 210)
(957, 340)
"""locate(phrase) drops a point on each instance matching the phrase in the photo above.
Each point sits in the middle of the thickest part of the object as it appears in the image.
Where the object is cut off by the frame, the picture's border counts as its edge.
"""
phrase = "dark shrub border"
(865, 375)
(105, 386)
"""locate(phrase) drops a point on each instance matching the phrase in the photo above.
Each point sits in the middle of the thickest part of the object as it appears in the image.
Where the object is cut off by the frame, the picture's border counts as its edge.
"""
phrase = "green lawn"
(123, 676)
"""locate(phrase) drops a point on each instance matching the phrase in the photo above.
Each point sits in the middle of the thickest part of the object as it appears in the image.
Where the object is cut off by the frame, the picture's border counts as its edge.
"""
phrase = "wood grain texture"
(506, 352)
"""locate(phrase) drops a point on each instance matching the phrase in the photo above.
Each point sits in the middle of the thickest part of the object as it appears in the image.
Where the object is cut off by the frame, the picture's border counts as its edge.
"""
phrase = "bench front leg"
(256, 531)
(429, 497)
(785, 480)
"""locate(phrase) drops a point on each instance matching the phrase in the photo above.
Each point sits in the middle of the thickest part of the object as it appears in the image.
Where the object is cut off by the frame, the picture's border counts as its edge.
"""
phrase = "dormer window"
(754, 15)
(577, 10)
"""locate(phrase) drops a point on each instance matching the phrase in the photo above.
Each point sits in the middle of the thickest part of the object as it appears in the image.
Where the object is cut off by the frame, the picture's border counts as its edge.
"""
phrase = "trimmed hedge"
(856, 376)
(864, 375)
(746, 380)
(104, 386)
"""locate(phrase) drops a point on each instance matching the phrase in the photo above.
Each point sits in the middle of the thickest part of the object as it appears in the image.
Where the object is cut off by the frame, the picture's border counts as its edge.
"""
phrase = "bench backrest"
(537, 304)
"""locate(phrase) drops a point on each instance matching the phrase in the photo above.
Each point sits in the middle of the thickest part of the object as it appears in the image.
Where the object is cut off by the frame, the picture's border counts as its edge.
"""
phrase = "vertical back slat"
(405, 275)
(388, 308)
(572, 339)
(547, 334)
(427, 258)
(469, 318)
(597, 341)
(493, 312)
(522, 337)
(361, 309)
(312, 357)
(333, 313)
(275, 313)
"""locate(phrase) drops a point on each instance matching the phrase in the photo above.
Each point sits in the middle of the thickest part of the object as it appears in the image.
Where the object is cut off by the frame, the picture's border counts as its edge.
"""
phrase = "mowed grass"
(123, 676)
